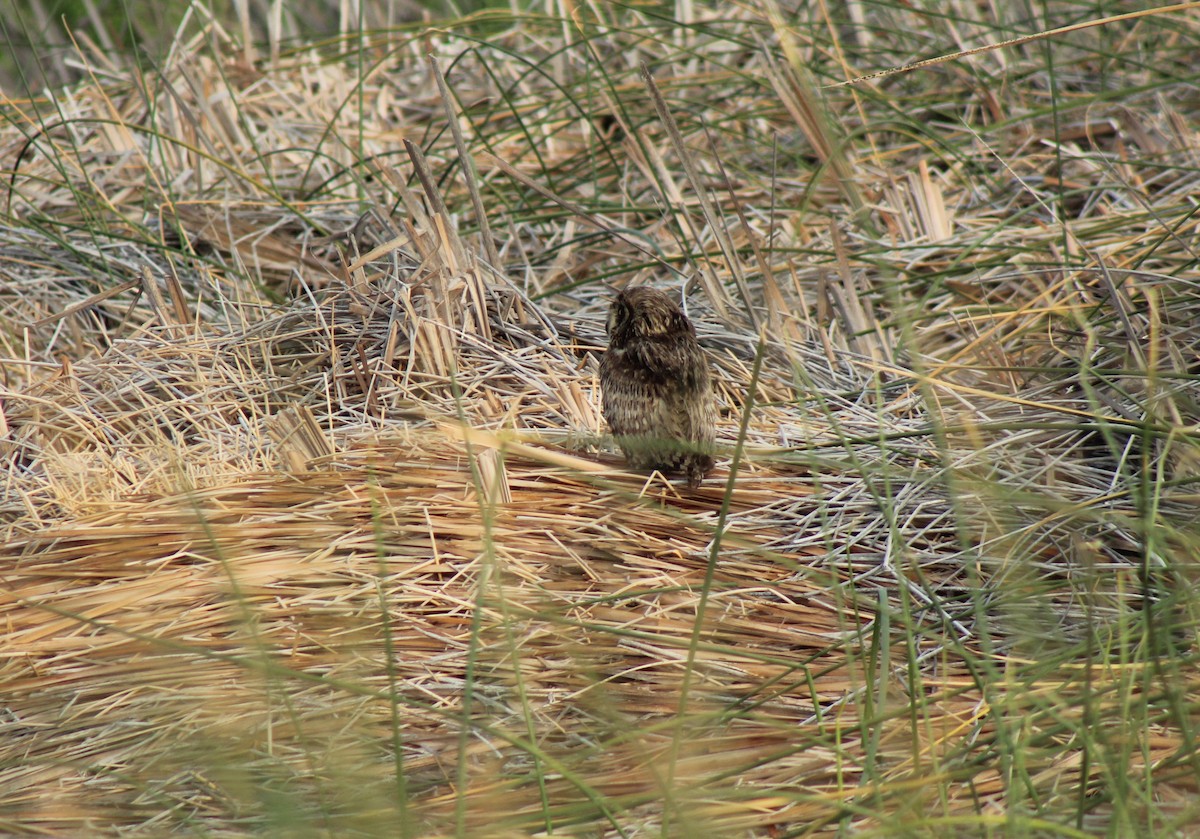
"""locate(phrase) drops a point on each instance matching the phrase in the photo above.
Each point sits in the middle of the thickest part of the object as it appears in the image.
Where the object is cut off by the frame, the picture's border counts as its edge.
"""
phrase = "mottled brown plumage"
(657, 391)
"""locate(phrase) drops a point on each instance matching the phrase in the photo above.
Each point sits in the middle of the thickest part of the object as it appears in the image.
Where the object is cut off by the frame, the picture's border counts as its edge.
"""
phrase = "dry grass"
(309, 523)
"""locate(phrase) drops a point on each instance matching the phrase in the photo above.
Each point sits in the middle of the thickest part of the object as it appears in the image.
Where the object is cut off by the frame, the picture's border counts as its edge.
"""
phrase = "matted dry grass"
(310, 526)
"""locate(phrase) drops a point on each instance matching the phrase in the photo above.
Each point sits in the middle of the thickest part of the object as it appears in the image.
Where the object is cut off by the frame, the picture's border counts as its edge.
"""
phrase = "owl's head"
(642, 312)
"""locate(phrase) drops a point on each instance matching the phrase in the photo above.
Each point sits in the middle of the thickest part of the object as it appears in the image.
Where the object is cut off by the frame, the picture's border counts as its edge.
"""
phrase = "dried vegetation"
(309, 525)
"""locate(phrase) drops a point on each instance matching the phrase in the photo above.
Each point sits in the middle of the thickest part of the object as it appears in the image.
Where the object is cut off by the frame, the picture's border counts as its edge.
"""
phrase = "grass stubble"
(310, 527)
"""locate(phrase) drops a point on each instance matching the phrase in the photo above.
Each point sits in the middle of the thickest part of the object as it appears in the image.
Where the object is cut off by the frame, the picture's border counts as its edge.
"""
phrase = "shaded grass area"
(310, 524)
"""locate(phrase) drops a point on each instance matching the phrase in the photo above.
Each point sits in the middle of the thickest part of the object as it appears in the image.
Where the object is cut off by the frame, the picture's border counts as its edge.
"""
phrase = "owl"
(656, 387)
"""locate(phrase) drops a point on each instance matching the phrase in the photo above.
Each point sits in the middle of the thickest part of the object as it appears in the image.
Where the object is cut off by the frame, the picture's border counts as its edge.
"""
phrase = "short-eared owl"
(657, 392)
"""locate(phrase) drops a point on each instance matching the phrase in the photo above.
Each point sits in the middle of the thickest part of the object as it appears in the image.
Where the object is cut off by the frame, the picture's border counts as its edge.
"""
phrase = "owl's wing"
(658, 389)
(662, 360)
(629, 402)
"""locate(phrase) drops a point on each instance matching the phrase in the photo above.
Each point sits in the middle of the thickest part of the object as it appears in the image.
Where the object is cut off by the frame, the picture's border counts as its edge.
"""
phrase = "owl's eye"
(619, 314)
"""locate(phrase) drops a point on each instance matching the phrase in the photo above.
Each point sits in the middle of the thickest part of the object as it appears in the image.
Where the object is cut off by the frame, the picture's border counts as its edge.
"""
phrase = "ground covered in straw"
(309, 522)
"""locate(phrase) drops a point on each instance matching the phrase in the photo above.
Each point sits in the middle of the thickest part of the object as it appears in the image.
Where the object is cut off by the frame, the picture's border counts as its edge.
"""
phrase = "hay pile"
(310, 525)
